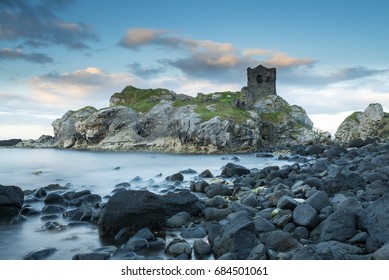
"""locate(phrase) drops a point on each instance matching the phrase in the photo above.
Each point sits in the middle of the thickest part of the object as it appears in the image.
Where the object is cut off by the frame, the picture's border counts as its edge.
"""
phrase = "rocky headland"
(250, 120)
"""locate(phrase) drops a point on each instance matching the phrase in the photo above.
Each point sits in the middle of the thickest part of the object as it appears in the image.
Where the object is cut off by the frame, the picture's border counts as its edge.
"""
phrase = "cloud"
(18, 54)
(205, 58)
(35, 23)
(91, 86)
(144, 72)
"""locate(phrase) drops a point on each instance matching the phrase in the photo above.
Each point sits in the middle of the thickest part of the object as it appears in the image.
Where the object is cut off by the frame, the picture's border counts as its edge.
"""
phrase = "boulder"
(342, 224)
(375, 219)
(179, 220)
(231, 169)
(132, 210)
(305, 215)
(238, 237)
(11, 201)
(180, 201)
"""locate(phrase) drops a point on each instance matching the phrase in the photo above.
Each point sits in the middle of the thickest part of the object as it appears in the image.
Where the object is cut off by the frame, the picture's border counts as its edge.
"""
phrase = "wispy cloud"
(35, 23)
(18, 54)
(205, 58)
(90, 86)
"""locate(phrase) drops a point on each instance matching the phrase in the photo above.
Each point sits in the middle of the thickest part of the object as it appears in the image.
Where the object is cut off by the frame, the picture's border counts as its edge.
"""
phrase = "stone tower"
(261, 81)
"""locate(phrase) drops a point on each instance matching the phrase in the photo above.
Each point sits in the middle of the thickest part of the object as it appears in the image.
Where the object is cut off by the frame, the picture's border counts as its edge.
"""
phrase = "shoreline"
(311, 210)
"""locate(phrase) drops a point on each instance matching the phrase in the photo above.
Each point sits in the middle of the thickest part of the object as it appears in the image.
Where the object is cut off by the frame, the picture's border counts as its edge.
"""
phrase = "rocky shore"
(330, 203)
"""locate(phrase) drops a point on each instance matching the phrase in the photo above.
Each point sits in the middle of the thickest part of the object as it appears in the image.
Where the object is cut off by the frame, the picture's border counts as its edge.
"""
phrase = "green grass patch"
(222, 102)
(141, 100)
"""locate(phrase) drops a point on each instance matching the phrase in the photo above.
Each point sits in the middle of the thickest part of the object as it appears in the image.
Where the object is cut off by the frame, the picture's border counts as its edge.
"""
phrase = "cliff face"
(373, 122)
(253, 119)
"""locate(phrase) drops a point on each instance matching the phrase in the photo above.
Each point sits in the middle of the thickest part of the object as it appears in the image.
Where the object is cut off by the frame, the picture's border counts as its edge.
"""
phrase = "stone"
(222, 191)
(175, 177)
(375, 219)
(132, 210)
(341, 225)
(11, 201)
(180, 201)
(135, 244)
(381, 254)
(215, 214)
(249, 199)
(145, 233)
(263, 225)
(258, 253)
(194, 232)
(237, 236)
(179, 220)
(206, 174)
(231, 169)
(331, 250)
(305, 215)
(287, 202)
(177, 247)
(318, 200)
(202, 248)
(280, 241)
(216, 202)
(40, 254)
(92, 256)
(54, 198)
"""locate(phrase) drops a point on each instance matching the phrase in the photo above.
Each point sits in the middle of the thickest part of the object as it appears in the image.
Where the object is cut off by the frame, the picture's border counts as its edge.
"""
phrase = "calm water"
(97, 171)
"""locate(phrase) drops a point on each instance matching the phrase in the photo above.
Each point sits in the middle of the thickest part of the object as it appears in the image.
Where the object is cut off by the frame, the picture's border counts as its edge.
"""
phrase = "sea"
(98, 172)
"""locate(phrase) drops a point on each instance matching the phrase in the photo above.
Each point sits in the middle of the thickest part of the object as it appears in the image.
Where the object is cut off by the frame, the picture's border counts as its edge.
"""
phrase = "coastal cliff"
(253, 119)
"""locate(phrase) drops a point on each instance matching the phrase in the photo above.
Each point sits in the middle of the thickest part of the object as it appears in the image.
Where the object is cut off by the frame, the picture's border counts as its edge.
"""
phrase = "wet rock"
(318, 200)
(249, 199)
(287, 202)
(145, 233)
(54, 198)
(341, 225)
(215, 214)
(202, 248)
(40, 254)
(11, 201)
(18, 219)
(280, 241)
(132, 210)
(157, 244)
(180, 201)
(179, 220)
(263, 225)
(133, 257)
(331, 250)
(231, 169)
(206, 174)
(122, 236)
(175, 177)
(237, 236)
(375, 219)
(228, 256)
(305, 215)
(258, 253)
(195, 232)
(381, 254)
(216, 202)
(222, 191)
(52, 209)
(178, 247)
(28, 210)
(198, 186)
(135, 244)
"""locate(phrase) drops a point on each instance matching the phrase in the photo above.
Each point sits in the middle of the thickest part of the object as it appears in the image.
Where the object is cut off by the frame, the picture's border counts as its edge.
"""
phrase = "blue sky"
(55, 55)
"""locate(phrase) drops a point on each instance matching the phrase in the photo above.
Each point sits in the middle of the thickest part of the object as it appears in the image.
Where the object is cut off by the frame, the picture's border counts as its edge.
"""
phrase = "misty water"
(98, 172)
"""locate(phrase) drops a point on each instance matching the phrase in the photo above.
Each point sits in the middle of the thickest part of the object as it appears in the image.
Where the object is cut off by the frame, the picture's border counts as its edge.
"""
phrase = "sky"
(331, 56)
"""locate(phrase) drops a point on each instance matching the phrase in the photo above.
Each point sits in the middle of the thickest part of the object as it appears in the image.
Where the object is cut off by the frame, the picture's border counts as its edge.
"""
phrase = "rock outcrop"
(253, 119)
(373, 122)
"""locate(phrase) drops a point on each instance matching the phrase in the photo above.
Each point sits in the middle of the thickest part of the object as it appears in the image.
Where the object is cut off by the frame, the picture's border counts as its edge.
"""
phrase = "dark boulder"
(375, 219)
(180, 201)
(305, 215)
(238, 237)
(11, 201)
(341, 225)
(132, 210)
(231, 169)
